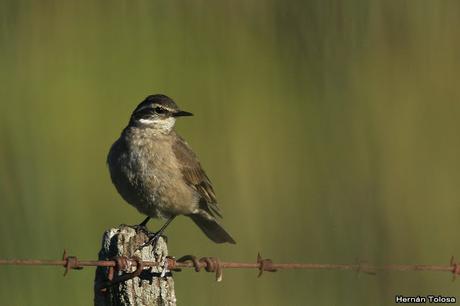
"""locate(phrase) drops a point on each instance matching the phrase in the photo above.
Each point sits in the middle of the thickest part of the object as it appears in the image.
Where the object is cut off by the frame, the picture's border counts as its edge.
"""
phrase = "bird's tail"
(212, 229)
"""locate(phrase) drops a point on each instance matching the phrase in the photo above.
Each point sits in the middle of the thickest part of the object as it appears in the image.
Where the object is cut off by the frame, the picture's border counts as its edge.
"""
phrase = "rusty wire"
(213, 264)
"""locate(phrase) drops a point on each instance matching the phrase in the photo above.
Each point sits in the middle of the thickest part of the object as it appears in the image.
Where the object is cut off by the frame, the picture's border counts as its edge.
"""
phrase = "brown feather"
(195, 176)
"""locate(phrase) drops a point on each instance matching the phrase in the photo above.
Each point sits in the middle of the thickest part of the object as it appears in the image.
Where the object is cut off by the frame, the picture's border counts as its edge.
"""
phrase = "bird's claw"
(153, 240)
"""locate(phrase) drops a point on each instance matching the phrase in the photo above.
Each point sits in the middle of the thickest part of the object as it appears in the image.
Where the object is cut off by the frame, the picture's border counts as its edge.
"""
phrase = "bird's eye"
(159, 110)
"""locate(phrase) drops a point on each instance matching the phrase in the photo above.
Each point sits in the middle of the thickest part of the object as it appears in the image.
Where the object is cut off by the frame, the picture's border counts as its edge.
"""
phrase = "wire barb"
(264, 265)
(455, 268)
(71, 262)
(364, 267)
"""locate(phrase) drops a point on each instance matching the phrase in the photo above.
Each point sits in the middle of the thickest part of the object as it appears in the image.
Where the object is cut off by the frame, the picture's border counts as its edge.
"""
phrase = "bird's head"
(157, 112)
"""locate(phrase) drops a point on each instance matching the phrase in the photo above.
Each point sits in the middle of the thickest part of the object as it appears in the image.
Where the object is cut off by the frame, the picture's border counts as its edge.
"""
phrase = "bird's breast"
(147, 175)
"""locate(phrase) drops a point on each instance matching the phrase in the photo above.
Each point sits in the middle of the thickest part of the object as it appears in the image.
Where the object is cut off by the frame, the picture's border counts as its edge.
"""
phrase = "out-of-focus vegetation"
(329, 128)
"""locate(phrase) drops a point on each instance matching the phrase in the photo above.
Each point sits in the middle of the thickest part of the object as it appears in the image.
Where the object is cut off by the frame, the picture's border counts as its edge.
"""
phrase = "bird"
(155, 170)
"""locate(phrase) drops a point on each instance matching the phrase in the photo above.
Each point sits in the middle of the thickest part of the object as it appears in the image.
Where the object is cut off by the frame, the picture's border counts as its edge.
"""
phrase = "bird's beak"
(182, 114)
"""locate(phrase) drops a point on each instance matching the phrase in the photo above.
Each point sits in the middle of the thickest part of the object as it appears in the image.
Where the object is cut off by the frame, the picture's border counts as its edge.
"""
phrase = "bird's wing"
(195, 176)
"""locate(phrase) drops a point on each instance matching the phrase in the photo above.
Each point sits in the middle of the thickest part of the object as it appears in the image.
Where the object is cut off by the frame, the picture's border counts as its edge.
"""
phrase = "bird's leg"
(143, 226)
(154, 238)
(144, 223)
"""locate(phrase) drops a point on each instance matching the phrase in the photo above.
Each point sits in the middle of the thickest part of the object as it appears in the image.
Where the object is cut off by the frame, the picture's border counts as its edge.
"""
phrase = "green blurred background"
(329, 128)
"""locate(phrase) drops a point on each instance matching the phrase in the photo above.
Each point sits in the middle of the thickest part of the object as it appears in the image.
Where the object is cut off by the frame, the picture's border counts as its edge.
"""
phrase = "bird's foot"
(153, 240)
(153, 237)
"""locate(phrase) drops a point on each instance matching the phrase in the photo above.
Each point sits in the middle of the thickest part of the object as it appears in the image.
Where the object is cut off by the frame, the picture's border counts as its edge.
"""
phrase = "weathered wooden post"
(152, 287)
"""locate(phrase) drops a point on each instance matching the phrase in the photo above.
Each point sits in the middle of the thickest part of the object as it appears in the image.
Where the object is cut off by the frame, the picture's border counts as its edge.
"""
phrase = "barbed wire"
(214, 264)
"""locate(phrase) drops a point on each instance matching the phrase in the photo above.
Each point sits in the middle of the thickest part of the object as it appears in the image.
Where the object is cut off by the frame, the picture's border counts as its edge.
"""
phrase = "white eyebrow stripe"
(164, 107)
(146, 121)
